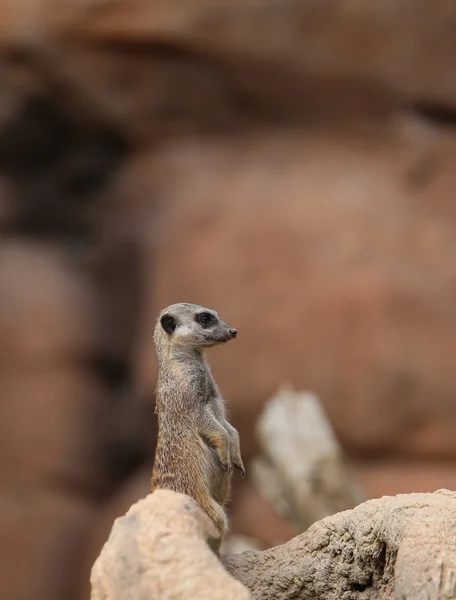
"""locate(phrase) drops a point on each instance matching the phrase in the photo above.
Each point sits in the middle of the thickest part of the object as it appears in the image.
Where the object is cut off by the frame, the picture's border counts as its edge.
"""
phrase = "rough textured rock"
(410, 51)
(133, 489)
(400, 548)
(251, 517)
(91, 94)
(55, 415)
(334, 232)
(231, 58)
(159, 550)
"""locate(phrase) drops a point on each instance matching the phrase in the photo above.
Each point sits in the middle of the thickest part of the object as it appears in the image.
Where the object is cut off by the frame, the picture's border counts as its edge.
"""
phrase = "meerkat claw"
(241, 469)
(225, 466)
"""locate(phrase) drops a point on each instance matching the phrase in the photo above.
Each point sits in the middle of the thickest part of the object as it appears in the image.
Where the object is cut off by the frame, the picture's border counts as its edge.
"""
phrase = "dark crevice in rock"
(57, 167)
(113, 371)
(360, 587)
(381, 560)
(440, 116)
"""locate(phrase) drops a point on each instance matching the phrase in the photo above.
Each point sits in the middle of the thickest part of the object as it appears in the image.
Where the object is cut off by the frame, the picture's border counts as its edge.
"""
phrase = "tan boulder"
(400, 548)
(335, 267)
(159, 550)
(406, 49)
(55, 416)
(238, 63)
(133, 489)
(47, 311)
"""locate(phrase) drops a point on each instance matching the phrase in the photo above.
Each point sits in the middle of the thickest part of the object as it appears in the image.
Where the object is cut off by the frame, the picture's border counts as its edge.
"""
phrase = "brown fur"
(197, 448)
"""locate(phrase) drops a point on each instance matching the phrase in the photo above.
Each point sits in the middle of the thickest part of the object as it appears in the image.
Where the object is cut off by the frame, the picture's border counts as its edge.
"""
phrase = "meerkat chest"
(203, 386)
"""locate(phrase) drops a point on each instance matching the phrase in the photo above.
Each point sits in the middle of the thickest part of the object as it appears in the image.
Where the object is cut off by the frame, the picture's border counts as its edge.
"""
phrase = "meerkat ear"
(168, 323)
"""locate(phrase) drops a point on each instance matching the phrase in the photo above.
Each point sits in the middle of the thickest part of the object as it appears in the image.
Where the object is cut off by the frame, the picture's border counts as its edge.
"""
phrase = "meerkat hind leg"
(217, 515)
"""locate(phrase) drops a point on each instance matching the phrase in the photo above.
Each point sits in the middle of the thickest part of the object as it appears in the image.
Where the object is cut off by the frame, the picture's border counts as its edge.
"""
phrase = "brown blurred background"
(291, 164)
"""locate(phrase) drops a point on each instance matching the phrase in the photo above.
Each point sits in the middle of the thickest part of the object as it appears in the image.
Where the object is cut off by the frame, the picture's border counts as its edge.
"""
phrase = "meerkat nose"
(233, 332)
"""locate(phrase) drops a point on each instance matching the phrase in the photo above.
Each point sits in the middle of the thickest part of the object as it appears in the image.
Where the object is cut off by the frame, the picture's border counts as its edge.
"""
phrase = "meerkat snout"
(233, 333)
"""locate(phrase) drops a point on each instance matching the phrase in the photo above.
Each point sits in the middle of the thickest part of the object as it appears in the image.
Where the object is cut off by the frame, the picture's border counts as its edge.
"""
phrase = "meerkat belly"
(185, 464)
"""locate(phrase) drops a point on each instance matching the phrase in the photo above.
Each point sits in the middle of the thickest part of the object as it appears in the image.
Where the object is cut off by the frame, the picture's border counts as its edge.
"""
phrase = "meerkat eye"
(168, 323)
(205, 319)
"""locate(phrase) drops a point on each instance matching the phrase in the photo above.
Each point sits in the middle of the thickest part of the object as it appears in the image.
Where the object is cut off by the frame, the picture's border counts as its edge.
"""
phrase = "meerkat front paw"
(237, 463)
(219, 439)
(225, 466)
(235, 449)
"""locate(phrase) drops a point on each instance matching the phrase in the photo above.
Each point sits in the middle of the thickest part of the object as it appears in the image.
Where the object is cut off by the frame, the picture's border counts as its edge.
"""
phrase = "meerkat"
(197, 448)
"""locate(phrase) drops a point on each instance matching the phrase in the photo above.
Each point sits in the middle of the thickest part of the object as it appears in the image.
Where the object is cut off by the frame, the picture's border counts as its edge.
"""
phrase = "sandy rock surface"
(401, 547)
(292, 158)
(159, 550)
(393, 548)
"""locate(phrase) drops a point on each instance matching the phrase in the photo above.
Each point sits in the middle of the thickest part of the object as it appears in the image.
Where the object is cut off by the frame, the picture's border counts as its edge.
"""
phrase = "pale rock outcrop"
(400, 547)
(159, 550)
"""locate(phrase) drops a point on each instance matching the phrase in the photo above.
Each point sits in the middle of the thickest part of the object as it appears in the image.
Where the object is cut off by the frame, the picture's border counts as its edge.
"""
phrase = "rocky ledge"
(401, 547)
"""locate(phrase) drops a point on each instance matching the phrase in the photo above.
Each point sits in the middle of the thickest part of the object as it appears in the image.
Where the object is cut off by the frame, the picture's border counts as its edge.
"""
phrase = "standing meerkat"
(197, 448)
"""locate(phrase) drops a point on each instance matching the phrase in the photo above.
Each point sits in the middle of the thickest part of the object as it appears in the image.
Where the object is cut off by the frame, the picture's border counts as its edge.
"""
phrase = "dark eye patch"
(205, 319)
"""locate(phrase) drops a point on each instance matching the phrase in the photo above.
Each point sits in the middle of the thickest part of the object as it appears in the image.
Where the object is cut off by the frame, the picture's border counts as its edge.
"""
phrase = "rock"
(330, 234)
(44, 538)
(252, 519)
(56, 421)
(395, 547)
(132, 78)
(135, 487)
(255, 62)
(53, 428)
(159, 550)
(235, 544)
(302, 470)
(408, 51)
(47, 310)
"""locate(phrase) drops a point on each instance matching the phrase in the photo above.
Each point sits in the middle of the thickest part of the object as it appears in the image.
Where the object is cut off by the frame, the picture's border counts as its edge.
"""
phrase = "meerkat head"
(190, 326)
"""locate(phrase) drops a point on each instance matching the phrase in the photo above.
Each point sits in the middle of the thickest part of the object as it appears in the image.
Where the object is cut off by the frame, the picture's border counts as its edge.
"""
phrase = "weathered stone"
(47, 308)
(239, 63)
(400, 548)
(408, 49)
(159, 550)
(336, 269)
(130, 491)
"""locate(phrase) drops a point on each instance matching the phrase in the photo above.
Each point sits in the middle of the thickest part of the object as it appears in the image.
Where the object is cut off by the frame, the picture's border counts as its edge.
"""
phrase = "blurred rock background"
(291, 164)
